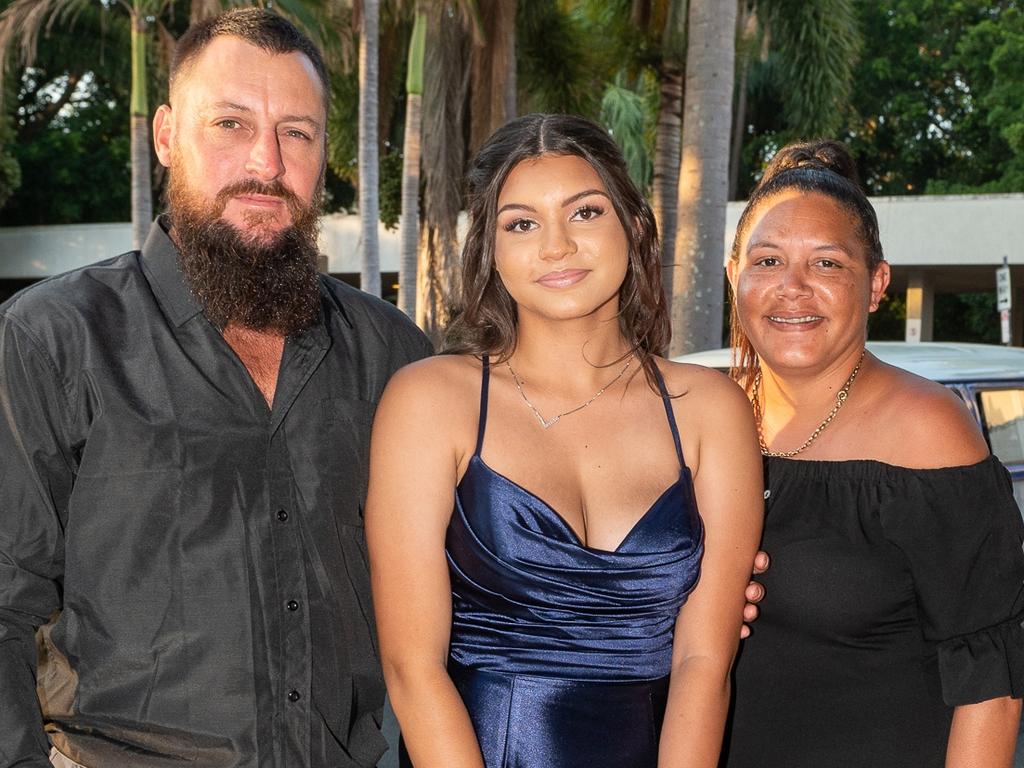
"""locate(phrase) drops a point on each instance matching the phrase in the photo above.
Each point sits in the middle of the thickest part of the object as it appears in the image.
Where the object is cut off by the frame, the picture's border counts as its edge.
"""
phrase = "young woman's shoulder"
(705, 394)
(440, 376)
(926, 424)
(687, 379)
(436, 389)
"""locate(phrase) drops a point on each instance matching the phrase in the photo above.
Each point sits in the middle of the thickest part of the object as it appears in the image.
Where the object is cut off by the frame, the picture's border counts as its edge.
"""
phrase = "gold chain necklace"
(759, 415)
(548, 423)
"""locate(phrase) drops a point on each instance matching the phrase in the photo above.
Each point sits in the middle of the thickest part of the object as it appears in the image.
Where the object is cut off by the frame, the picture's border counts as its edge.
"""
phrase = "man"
(183, 445)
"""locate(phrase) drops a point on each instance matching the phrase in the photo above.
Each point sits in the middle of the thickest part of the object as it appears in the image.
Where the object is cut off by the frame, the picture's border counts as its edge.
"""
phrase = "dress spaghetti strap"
(671, 416)
(484, 383)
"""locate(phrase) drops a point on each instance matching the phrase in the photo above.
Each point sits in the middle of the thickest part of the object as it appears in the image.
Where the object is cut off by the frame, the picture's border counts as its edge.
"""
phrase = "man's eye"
(767, 261)
(295, 133)
(229, 124)
(828, 263)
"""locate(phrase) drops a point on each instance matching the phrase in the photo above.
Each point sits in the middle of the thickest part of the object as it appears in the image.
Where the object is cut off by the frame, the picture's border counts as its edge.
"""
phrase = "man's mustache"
(255, 187)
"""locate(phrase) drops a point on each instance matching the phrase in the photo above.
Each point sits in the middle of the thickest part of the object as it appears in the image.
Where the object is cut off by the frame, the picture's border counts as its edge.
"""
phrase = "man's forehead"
(229, 67)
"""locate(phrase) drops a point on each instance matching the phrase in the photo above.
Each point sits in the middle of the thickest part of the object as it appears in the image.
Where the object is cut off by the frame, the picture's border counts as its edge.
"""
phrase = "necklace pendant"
(548, 423)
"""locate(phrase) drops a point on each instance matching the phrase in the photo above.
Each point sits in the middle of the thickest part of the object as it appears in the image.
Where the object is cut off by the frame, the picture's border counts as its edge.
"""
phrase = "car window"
(1003, 412)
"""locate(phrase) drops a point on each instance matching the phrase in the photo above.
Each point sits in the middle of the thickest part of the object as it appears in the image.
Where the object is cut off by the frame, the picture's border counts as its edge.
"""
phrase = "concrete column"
(920, 302)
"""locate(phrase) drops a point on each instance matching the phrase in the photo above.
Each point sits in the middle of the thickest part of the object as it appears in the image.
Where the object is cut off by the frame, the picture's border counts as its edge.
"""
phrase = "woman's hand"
(754, 593)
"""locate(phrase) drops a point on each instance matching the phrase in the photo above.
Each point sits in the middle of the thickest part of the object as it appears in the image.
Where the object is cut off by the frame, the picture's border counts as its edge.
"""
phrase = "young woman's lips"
(801, 322)
(563, 278)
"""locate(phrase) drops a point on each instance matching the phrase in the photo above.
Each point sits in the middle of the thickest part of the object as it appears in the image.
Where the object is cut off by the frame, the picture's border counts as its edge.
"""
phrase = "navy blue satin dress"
(561, 652)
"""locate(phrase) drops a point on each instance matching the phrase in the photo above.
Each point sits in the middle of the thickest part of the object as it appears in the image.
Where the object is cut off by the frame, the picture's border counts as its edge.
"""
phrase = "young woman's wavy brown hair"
(825, 168)
(486, 319)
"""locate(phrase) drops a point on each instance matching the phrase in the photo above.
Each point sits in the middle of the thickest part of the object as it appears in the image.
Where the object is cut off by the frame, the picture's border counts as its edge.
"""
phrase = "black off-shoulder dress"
(894, 595)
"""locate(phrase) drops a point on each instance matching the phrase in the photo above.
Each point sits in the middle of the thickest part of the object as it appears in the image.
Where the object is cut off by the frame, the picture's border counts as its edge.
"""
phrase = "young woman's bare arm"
(413, 472)
(730, 497)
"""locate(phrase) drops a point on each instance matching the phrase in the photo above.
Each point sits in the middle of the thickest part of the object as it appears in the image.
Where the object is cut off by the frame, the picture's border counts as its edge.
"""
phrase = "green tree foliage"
(935, 104)
(10, 170)
(991, 56)
(76, 167)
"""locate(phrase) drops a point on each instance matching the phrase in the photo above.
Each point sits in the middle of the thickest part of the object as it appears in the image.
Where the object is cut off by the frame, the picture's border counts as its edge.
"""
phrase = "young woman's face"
(560, 249)
(802, 284)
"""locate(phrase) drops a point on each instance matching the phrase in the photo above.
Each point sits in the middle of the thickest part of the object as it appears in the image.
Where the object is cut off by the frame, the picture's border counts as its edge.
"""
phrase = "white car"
(990, 379)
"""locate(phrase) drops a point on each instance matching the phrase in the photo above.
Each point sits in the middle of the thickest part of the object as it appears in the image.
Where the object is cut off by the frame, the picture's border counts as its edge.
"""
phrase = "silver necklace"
(548, 423)
(841, 396)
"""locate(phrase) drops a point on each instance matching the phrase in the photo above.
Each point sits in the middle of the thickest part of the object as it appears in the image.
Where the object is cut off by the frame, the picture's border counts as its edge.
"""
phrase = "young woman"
(891, 629)
(542, 497)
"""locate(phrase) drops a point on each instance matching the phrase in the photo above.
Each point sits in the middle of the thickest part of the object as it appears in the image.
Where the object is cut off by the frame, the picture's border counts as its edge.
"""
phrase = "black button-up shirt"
(195, 559)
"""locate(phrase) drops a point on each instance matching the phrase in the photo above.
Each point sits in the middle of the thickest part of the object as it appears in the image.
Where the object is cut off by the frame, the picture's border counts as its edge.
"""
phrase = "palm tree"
(20, 26)
(669, 131)
(703, 177)
(446, 57)
(409, 224)
(493, 67)
(455, 30)
(369, 155)
(801, 54)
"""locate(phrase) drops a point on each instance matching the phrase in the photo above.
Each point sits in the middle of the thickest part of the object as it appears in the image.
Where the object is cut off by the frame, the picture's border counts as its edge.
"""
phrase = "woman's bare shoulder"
(704, 395)
(925, 423)
(442, 381)
(685, 379)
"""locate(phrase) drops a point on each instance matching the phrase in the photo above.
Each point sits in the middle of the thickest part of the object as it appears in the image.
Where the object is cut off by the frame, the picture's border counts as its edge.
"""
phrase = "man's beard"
(240, 278)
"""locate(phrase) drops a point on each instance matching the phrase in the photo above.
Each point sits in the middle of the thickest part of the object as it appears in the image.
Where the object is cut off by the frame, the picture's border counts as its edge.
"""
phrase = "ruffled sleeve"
(961, 532)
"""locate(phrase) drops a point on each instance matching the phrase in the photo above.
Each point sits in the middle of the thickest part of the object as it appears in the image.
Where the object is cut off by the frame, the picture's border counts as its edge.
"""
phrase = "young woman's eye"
(587, 212)
(519, 225)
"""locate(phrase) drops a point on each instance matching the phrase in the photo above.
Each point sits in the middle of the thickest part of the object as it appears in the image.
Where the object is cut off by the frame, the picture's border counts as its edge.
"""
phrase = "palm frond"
(818, 44)
(629, 115)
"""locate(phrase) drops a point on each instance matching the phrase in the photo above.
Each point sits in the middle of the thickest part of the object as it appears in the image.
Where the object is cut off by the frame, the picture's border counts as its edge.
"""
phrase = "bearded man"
(183, 445)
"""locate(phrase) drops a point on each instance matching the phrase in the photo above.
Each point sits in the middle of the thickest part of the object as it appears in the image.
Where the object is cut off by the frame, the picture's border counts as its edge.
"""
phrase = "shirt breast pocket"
(344, 464)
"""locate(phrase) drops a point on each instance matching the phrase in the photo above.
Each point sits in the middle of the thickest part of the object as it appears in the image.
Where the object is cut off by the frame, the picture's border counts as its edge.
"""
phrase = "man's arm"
(35, 482)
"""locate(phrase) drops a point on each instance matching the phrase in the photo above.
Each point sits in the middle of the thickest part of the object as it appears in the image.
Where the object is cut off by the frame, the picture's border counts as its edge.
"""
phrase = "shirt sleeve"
(35, 482)
(961, 532)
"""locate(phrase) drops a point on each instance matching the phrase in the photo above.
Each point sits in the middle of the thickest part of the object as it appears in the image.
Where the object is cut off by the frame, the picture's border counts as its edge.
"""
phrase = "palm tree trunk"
(697, 277)
(746, 25)
(409, 224)
(494, 71)
(444, 156)
(141, 191)
(369, 153)
(665, 180)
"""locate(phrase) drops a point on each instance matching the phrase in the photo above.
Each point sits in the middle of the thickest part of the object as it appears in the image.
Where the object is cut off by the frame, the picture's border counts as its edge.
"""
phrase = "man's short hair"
(256, 26)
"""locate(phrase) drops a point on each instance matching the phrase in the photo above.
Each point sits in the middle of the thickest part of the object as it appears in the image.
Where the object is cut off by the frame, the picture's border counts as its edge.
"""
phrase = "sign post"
(1003, 300)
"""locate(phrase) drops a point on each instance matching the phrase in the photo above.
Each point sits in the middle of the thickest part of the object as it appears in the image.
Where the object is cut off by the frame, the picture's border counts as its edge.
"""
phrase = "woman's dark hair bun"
(822, 154)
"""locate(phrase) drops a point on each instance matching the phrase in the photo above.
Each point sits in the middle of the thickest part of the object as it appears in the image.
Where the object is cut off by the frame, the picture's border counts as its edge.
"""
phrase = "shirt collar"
(160, 260)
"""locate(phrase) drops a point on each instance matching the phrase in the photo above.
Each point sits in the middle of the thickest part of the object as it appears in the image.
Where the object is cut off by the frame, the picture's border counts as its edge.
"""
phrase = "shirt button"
(292, 605)
(282, 515)
(294, 695)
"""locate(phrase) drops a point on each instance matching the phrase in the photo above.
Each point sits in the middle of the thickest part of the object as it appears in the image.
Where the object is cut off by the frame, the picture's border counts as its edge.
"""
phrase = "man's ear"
(163, 134)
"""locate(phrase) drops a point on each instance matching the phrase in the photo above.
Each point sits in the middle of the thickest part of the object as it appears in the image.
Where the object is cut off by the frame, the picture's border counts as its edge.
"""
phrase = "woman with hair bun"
(891, 628)
(560, 522)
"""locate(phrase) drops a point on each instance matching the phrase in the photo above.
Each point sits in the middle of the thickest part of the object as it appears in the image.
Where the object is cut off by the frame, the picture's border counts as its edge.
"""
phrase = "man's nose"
(265, 161)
